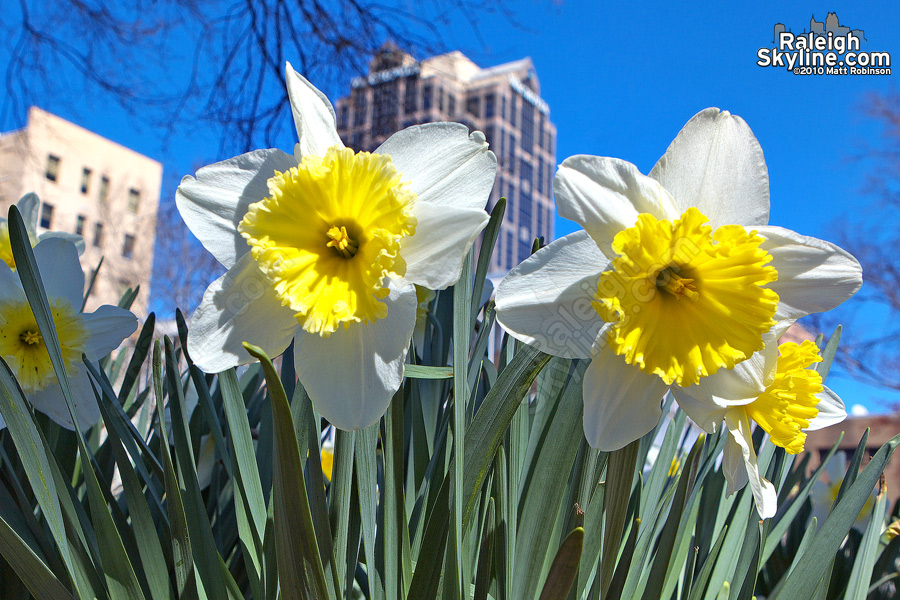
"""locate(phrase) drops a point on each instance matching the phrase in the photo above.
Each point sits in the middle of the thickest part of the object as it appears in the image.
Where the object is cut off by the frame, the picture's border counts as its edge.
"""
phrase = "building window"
(52, 167)
(98, 235)
(503, 107)
(526, 172)
(410, 104)
(512, 111)
(473, 106)
(489, 109)
(359, 109)
(426, 97)
(527, 127)
(451, 104)
(526, 206)
(343, 115)
(79, 225)
(384, 108)
(104, 189)
(441, 99)
(541, 131)
(511, 153)
(46, 215)
(134, 200)
(510, 246)
(540, 175)
(85, 180)
(128, 246)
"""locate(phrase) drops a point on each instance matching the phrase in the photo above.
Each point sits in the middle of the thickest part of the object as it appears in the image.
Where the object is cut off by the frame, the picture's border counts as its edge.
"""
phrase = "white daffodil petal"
(444, 235)
(444, 164)
(733, 466)
(313, 115)
(57, 260)
(764, 494)
(52, 403)
(107, 327)
(831, 410)
(700, 406)
(545, 301)
(352, 375)
(10, 287)
(813, 275)
(241, 306)
(29, 207)
(716, 164)
(69, 237)
(214, 203)
(621, 403)
(605, 195)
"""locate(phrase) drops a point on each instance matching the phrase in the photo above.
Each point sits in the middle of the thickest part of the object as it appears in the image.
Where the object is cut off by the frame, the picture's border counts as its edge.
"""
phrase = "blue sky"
(622, 78)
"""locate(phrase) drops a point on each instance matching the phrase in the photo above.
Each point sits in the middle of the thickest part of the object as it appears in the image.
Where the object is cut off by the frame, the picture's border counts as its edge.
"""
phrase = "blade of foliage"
(249, 501)
(564, 569)
(552, 469)
(299, 564)
(462, 330)
(149, 548)
(20, 424)
(426, 372)
(182, 553)
(618, 493)
(488, 243)
(39, 579)
(487, 429)
(861, 575)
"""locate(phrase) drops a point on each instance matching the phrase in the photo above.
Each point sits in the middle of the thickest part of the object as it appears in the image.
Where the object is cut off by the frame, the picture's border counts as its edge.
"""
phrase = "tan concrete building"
(91, 186)
(503, 102)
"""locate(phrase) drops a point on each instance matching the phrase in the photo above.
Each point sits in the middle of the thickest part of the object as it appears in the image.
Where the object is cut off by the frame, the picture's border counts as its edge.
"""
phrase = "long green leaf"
(486, 431)
(564, 569)
(39, 579)
(249, 501)
(299, 564)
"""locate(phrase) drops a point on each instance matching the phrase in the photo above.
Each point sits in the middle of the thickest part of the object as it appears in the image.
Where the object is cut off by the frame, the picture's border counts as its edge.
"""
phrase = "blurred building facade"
(92, 186)
(882, 427)
(503, 102)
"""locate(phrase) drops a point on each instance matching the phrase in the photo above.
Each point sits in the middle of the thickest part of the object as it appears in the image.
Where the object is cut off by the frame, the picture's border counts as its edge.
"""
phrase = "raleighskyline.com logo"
(828, 48)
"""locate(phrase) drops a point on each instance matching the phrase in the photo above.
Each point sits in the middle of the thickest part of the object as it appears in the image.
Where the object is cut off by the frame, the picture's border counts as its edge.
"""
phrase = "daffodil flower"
(793, 401)
(324, 247)
(675, 276)
(93, 334)
(29, 206)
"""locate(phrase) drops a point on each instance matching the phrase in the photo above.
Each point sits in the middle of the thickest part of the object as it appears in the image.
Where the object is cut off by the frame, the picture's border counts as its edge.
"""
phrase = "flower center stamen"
(32, 338)
(320, 215)
(23, 347)
(661, 263)
(342, 243)
(669, 281)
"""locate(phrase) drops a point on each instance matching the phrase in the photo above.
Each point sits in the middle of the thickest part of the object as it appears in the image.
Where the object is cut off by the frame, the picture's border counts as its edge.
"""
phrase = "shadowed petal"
(352, 375)
(545, 301)
(240, 306)
(716, 164)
